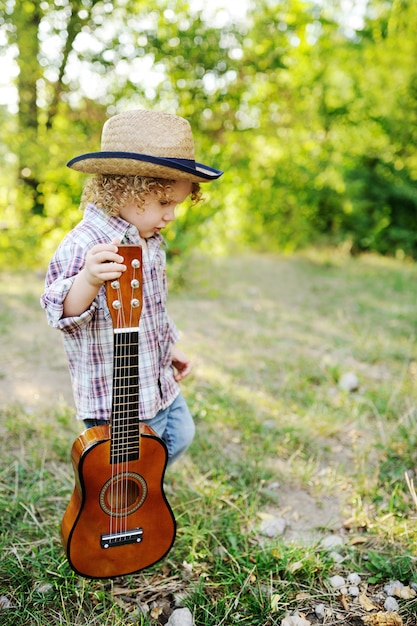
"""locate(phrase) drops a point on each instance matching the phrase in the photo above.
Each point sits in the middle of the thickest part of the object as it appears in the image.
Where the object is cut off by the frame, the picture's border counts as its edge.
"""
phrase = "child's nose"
(169, 214)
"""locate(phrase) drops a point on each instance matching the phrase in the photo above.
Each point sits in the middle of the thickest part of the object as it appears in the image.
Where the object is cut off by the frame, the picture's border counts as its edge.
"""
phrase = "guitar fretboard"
(125, 440)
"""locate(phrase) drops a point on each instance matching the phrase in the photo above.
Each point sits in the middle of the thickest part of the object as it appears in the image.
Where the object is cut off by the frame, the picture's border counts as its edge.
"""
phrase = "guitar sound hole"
(123, 494)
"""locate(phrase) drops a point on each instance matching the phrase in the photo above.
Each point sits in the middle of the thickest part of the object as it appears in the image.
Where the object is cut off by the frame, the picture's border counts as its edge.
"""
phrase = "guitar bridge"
(111, 540)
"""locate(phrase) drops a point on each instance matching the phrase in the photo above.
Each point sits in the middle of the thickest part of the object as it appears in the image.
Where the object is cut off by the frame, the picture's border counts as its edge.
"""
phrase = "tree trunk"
(26, 18)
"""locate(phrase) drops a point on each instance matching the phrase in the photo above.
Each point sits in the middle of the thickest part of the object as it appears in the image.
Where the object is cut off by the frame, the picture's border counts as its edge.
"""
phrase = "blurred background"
(310, 107)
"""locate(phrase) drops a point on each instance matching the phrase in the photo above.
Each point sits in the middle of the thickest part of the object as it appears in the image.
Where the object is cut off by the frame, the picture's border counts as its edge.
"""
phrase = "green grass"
(270, 338)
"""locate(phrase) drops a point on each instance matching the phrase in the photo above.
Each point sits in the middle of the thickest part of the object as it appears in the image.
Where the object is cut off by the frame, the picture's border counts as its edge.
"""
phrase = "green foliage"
(311, 116)
(384, 208)
(389, 566)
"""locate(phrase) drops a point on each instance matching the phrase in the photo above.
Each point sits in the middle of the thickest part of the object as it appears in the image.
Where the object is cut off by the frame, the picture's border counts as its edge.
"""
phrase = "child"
(144, 170)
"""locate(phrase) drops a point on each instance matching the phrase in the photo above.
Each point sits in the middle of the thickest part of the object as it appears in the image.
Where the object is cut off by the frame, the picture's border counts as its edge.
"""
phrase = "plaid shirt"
(88, 338)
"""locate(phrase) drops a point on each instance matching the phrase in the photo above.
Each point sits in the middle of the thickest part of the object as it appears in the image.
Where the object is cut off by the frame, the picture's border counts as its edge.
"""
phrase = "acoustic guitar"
(118, 520)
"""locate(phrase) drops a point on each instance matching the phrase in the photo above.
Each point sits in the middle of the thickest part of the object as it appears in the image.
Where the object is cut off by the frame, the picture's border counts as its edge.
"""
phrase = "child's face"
(157, 213)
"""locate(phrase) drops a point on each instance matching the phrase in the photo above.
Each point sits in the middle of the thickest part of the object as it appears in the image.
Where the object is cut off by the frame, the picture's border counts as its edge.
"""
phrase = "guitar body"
(142, 525)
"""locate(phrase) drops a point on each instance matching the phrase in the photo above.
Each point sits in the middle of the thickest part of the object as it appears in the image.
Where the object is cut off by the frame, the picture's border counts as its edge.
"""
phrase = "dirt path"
(33, 368)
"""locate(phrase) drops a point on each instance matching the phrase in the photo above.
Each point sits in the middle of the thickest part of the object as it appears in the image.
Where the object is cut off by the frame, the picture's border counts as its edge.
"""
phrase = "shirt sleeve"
(65, 265)
(174, 333)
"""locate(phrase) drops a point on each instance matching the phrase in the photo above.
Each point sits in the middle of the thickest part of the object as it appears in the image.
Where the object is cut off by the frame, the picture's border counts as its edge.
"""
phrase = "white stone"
(320, 611)
(331, 541)
(393, 585)
(349, 382)
(44, 588)
(181, 617)
(391, 604)
(354, 579)
(336, 557)
(295, 620)
(337, 582)
(274, 485)
(353, 591)
(5, 603)
(272, 527)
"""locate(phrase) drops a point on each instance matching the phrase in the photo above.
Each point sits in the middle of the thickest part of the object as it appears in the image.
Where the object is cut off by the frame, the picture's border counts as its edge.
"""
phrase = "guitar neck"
(125, 440)
(124, 298)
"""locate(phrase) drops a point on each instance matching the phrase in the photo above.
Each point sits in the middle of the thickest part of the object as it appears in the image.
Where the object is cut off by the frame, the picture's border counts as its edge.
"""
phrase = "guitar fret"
(123, 457)
(126, 433)
(127, 449)
(126, 396)
(120, 410)
(127, 418)
(126, 442)
(126, 390)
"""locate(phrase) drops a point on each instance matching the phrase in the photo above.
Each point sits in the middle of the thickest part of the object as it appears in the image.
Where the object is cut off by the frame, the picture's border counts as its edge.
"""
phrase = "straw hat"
(146, 143)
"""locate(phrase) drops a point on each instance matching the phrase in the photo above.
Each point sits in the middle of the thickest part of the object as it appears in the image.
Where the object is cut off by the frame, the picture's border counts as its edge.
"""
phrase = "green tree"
(66, 50)
(382, 178)
(311, 116)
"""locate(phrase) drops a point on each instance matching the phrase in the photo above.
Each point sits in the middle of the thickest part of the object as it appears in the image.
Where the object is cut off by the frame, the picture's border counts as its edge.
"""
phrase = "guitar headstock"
(124, 295)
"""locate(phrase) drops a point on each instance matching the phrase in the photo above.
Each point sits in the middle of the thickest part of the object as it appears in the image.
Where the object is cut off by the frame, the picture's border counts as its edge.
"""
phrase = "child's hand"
(181, 363)
(103, 263)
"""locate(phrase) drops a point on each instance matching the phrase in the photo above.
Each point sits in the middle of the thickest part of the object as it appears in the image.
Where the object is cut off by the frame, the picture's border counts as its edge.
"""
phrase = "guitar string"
(123, 408)
(130, 403)
(115, 420)
(120, 449)
(112, 432)
(117, 467)
(113, 429)
(122, 430)
(126, 410)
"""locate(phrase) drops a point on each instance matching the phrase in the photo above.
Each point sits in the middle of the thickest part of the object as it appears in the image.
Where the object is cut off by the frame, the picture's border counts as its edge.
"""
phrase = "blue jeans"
(174, 425)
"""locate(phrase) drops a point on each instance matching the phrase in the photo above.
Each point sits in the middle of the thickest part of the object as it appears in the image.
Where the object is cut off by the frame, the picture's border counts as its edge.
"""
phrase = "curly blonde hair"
(111, 191)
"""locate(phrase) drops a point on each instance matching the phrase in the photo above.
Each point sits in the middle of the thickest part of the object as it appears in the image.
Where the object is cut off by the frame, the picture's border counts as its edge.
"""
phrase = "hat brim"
(135, 164)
